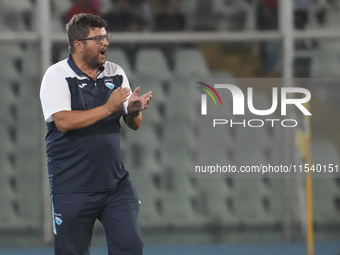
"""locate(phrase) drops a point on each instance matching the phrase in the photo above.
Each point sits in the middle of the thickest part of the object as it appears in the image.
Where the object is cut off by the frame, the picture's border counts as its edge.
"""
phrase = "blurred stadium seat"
(143, 159)
(8, 192)
(14, 14)
(30, 63)
(190, 62)
(150, 215)
(217, 201)
(118, 56)
(29, 148)
(151, 62)
(325, 63)
(326, 190)
(179, 197)
(250, 196)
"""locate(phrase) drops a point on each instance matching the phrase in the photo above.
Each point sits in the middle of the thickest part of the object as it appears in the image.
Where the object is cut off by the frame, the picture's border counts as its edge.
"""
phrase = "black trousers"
(74, 216)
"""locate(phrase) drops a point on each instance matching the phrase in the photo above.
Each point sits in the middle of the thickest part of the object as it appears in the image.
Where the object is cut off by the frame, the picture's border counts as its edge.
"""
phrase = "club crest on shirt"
(58, 218)
(109, 83)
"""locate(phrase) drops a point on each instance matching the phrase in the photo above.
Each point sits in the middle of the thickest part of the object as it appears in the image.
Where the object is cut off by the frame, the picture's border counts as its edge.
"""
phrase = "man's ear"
(78, 46)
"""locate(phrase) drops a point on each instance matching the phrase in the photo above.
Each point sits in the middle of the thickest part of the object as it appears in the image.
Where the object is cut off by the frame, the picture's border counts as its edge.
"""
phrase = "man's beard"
(92, 61)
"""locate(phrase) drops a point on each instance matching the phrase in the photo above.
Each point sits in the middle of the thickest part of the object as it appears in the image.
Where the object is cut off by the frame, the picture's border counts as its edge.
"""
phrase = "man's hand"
(71, 120)
(118, 97)
(138, 103)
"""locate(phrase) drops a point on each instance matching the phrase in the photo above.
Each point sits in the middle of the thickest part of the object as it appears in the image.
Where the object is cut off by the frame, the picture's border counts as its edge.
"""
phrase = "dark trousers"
(74, 216)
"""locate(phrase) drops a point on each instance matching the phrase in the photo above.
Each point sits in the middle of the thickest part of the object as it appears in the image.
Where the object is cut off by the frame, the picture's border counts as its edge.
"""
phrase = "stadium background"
(180, 215)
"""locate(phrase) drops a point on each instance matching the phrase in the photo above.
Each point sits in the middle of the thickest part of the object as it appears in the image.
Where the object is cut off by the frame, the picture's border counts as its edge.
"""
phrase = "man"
(83, 98)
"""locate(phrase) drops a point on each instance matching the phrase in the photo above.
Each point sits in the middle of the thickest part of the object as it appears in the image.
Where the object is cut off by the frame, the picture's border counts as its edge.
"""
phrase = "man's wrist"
(134, 114)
